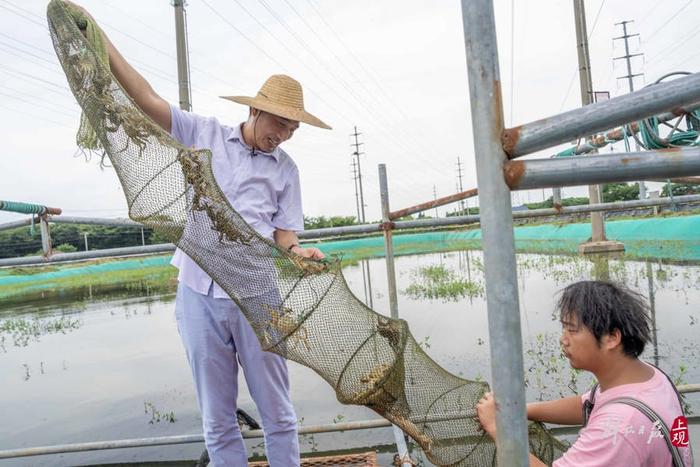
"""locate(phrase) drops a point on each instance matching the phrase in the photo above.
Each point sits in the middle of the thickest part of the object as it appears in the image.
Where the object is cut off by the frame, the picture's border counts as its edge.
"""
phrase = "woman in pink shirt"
(604, 330)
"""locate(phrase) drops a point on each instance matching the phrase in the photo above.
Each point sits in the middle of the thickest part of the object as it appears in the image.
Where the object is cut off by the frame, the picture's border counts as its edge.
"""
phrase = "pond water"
(105, 369)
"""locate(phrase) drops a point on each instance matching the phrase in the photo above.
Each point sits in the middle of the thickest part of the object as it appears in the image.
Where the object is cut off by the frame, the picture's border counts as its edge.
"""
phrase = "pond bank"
(673, 239)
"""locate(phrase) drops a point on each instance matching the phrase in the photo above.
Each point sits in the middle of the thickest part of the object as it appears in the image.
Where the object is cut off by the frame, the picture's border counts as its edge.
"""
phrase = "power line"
(149, 26)
(58, 107)
(337, 58)
(376, 82)
(12, 52)
(40, 117)
(27, 75)
(675, 47)
(363, 105)
(264, 52)
(669, 20)
(35, 104)
(573, 75)
(306, 46)
(27, 44)
(21, 15)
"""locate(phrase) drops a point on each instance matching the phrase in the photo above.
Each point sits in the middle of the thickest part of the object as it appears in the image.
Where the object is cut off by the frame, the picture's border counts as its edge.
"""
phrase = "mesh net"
(300, 309)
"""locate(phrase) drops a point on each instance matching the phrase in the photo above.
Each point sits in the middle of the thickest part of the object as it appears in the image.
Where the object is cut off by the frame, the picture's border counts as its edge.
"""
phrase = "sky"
(395, 69)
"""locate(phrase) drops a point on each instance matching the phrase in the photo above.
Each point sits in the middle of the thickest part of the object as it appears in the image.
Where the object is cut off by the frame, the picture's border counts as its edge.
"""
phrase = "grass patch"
(438, 282)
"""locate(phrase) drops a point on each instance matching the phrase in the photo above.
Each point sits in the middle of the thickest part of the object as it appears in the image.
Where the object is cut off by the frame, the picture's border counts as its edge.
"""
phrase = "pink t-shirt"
(618, 434)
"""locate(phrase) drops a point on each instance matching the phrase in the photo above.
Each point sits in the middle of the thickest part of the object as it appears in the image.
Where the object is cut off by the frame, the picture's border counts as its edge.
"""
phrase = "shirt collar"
(237, 135)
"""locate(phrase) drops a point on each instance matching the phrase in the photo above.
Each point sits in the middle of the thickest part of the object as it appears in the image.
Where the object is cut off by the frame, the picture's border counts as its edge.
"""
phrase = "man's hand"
(486, 409)
(311, 253)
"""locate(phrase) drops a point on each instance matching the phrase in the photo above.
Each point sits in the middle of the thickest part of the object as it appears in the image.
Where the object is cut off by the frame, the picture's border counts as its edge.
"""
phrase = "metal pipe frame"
(75, 220)
(585, 170)
(15, 224)
(618, 134)
(247, 434)
(433, 204)
(332, 232)
(388, 243)
(93, 221)
(672, 96)
(83, 255)
(497, 232)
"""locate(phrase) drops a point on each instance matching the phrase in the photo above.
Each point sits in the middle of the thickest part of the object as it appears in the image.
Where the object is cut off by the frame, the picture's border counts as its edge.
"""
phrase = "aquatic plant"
(439, 282)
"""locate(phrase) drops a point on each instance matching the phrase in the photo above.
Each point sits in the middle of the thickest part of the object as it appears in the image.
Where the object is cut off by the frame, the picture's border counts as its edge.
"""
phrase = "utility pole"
(183, 66)
(435, 197)
(630, 82)
(556, 196)
(459, 177)
(357, 195)
(357, 155)
(598, 241)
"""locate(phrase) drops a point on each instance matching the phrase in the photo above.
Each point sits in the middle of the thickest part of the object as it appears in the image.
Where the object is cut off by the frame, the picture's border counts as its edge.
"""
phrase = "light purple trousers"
(217, 339)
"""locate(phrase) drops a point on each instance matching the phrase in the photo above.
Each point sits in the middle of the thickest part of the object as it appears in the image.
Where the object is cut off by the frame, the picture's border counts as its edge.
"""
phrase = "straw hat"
(282, 96)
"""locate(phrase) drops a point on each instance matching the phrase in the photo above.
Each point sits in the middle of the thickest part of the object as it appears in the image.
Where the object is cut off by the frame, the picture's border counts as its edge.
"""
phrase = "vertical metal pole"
(652, 309)
(391, 283)
(584, 65)
(357, 194)
(497, 232)
(45, 235)
(369, 285)
(388, 243)
(183, 67)
(85, 235)
(461, 189)
(143, 238)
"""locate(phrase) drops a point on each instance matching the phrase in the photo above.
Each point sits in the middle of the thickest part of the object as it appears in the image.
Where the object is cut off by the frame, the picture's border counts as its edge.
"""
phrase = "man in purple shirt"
(262, 184)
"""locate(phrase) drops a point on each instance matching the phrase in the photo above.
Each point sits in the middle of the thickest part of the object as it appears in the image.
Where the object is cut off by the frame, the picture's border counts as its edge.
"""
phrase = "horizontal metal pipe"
(433, 204)
(618, 134)
(184, 439)
(15, 224)
(686, 180)
(614, 206)
(82, 255)
(588, 170)
(373, 228)
(335, 231)
(590, 119)
(95, 221)
(304, 430)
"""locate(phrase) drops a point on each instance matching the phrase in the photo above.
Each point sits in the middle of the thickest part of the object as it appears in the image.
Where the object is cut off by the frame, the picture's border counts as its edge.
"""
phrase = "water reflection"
(95, 378)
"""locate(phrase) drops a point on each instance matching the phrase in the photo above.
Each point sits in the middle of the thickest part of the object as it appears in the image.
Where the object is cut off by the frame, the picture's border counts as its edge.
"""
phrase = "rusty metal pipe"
(670, 96)
(585, 170)
(433, 204)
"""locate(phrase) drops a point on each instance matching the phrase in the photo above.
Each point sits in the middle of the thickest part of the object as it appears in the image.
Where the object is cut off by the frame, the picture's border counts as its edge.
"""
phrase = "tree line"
(24, 241)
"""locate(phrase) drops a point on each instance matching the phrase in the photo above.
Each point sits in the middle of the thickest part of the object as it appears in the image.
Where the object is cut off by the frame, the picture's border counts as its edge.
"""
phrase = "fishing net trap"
(300, 309)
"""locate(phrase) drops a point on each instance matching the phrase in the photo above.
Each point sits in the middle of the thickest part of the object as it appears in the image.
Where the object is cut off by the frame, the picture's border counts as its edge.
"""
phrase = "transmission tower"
(357, 155)
(630, 80)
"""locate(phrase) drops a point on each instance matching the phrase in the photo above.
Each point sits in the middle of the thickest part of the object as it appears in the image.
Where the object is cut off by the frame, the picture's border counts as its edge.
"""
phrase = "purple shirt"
(263, 187)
